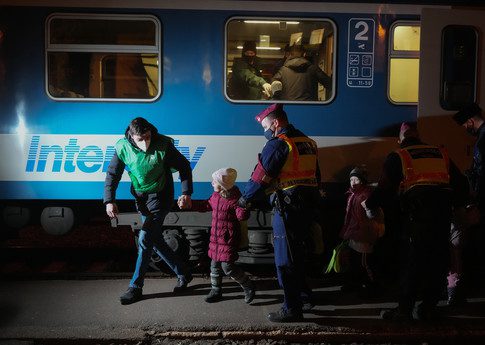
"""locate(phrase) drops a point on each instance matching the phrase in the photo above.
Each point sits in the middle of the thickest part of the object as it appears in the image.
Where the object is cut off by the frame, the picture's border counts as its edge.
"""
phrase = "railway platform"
(88, 311)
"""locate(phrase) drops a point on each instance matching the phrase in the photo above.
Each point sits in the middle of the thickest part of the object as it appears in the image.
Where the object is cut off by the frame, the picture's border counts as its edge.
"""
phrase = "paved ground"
(74, 310)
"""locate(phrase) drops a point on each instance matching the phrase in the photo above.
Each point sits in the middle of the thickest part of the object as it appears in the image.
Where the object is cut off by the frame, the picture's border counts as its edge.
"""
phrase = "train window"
(280, 59)
(404, 62)
(103, 57)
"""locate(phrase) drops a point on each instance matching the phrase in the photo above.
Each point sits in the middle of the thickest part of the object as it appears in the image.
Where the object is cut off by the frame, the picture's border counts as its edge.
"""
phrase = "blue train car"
(72, 76)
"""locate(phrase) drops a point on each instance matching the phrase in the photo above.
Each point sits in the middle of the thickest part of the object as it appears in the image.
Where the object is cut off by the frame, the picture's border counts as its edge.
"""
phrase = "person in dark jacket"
(225, 234)
(150, 158)
(300, 78)
(246, 80)
(428, 184)
(471, 117)
(361, 229)
(288, 169)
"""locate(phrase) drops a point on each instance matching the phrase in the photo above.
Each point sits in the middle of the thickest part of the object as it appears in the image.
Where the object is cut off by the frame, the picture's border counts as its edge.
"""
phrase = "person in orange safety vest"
(427, 185)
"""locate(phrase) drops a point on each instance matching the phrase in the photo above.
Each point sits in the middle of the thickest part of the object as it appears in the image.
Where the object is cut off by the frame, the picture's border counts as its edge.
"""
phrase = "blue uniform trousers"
(290, 268)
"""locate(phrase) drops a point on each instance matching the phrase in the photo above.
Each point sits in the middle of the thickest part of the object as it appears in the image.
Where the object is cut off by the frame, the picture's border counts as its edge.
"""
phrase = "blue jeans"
(149, 239)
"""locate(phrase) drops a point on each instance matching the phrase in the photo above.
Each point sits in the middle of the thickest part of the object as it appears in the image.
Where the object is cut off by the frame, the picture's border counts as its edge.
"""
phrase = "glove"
(267, 89)
(242, 202)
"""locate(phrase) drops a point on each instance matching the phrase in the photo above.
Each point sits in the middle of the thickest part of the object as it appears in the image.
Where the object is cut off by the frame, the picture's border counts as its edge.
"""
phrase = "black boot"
(283, 315)
(249, 292)
(215, 295)
(131, 295)
(397, 315)
(182, 283)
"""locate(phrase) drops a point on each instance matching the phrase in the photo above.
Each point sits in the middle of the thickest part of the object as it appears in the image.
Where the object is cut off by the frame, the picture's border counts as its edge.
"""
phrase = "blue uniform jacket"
(273, 158)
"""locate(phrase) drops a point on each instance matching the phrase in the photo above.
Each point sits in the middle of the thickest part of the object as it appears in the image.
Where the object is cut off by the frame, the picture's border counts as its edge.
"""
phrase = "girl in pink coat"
(225, 234)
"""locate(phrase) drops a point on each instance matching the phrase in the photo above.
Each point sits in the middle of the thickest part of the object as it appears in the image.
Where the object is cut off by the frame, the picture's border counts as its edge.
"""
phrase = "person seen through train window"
(427, 184)
(246, 81)
(288, 169)
(300, 78)
(225, 234)
(151, 158)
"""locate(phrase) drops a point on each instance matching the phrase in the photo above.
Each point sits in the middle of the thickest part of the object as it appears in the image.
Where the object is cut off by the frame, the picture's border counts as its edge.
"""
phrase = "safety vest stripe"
(429, 169)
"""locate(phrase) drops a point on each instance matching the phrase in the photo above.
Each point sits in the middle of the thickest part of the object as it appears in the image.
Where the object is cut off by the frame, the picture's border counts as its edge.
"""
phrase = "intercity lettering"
(89, 159)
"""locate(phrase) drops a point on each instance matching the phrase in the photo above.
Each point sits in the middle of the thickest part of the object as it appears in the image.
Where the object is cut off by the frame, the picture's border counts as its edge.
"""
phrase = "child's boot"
(249, 291)
(215, 295)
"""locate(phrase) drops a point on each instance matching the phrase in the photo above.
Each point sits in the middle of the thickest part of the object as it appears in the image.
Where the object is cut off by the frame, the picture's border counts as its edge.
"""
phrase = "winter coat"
(300, 80)
(225, 228)
(357, 226)
(246, 81)
(173, 160)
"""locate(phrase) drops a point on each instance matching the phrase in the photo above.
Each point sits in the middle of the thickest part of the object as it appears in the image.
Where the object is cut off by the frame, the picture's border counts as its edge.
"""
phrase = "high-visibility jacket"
(301, 163)
(147, 170)
(424, 165)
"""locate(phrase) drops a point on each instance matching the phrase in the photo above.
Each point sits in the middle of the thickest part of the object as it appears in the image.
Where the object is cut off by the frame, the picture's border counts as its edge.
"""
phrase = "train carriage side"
(58, 141)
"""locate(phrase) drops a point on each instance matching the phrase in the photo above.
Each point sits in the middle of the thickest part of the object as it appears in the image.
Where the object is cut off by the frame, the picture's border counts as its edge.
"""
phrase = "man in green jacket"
(150, 158)
(247, 82)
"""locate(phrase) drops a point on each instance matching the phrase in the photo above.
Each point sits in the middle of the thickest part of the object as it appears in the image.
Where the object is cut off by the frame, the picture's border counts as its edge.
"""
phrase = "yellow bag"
(340, 258)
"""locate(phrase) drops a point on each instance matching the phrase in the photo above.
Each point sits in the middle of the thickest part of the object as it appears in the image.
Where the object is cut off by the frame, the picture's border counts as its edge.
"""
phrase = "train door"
(451, 74)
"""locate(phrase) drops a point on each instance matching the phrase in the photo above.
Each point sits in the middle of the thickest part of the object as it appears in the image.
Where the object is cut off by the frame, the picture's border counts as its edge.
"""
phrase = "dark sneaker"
(182, 284)
(307, 306)
(131, 295)
(215, 295)
(285, 316)
(249, 293)
(349, 287)
(396, 315)
(426, 313)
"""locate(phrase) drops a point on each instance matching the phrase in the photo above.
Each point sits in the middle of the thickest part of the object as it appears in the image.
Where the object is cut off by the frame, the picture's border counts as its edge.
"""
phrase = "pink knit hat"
(225, 177)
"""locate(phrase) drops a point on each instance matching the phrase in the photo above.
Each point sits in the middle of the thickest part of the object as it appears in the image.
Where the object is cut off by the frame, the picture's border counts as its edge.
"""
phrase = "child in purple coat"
(226, 234)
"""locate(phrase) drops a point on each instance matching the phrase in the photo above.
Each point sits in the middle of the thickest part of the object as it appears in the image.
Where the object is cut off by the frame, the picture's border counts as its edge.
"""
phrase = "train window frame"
(401, 54)
(126, 49)
(333, 61)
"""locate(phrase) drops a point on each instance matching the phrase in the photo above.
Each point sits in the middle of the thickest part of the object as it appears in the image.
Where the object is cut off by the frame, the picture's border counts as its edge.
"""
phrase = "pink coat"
(356, 224)
(225, 228)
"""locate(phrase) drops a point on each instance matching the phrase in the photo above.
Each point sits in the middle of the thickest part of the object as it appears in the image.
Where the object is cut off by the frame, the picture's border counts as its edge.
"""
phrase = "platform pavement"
(90, 309)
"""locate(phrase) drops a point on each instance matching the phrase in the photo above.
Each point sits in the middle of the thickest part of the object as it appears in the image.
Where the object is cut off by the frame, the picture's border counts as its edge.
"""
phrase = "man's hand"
(243, 203)
(267, 90)
(111, 209)
(184, 202)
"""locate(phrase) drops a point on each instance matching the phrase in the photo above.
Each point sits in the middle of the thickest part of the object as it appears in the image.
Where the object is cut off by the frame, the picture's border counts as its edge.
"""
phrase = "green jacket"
(146, 169)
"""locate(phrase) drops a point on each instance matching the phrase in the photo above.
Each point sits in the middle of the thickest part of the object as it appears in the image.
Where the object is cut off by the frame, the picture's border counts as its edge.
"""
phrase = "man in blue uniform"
(288, 168)
(426, 184)
(150, 158)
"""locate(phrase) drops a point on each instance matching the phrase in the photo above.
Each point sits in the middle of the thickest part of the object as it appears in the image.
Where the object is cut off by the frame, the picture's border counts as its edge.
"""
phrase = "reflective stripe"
(424, 165)
(300, 166)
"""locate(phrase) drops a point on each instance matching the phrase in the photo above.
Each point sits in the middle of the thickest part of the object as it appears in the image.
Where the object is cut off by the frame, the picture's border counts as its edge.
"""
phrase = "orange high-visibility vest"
(424, 165)
(300, 166)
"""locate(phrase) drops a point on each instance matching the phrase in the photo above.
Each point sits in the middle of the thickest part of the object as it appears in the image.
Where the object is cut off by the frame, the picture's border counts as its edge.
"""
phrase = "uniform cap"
(273, 108)
(467, 112)
(225, 177)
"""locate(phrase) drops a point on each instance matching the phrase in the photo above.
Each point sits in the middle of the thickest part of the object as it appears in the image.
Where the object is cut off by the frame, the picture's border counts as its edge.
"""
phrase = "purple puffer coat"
(225, 230)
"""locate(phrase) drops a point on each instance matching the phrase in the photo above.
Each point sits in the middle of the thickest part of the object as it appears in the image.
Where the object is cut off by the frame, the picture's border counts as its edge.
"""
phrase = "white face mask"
(143, 145)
